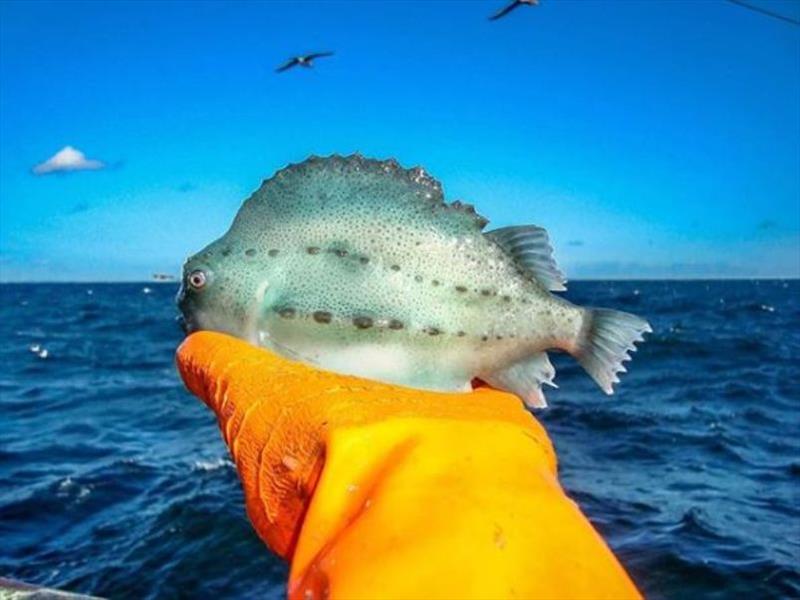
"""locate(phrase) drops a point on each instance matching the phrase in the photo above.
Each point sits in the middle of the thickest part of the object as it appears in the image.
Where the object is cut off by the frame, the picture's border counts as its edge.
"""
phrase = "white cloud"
(68, 159)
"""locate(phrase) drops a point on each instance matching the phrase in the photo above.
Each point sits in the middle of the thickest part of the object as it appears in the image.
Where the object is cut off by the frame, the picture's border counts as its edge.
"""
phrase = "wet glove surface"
(377, 491)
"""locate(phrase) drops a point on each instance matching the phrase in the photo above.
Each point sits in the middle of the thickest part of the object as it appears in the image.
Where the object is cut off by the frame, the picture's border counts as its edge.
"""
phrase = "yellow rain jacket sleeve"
(376, 491)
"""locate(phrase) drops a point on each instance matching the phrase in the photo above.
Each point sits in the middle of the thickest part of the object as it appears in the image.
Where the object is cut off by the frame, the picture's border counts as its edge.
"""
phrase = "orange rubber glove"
(377, 491)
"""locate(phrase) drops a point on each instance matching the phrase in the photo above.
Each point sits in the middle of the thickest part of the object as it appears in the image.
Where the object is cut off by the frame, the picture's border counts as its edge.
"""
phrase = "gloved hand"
(377, 491)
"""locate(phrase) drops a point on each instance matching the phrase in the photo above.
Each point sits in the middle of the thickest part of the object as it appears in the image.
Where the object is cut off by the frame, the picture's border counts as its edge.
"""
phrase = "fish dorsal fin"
(354, 187)
(525, 378)
(530, 246)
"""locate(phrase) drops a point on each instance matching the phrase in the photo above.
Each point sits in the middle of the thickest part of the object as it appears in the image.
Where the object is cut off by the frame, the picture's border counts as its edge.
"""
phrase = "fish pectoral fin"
(529, 246)
(524, 378)
(269, 342)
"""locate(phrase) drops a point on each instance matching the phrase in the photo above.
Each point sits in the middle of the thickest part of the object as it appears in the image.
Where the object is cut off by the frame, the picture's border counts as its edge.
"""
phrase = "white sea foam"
(39, 350)
(69, 488)
(212, 465)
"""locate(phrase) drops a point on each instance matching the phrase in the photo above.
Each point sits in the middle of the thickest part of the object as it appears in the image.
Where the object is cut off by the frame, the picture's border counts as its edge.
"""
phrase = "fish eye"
(197, 279)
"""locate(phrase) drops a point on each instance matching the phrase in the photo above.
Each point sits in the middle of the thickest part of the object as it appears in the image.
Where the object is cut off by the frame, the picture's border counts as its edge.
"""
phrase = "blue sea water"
(114, 481)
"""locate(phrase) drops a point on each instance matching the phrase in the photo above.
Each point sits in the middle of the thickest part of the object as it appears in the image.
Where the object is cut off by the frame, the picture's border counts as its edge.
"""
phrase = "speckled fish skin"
(359, 266)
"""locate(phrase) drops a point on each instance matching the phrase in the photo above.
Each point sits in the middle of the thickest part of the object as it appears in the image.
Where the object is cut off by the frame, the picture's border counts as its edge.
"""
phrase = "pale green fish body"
(359, 266)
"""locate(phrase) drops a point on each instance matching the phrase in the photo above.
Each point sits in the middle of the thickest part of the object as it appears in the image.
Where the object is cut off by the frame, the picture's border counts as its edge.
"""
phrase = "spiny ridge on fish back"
(338, 182)
(360, 266)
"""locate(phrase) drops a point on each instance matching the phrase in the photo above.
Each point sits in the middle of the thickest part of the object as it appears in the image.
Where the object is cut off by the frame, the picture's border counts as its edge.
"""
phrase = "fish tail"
(604, 343)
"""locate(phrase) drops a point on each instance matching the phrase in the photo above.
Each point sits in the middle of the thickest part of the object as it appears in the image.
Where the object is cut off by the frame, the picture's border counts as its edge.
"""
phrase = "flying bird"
(305, 60)
(512, 6)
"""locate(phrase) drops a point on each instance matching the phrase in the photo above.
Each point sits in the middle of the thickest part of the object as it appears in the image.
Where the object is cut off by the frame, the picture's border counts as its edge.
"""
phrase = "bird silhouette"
(304, 60)
(508, 8)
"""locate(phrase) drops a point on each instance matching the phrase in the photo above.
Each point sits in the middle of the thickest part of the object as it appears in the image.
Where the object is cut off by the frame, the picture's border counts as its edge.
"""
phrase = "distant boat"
(163, 277)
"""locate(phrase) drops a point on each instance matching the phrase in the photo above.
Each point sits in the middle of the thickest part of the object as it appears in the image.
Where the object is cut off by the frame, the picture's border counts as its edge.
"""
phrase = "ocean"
(114, 481)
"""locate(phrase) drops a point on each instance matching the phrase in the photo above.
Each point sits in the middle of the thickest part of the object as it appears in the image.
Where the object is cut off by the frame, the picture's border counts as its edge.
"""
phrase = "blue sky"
(652, 139)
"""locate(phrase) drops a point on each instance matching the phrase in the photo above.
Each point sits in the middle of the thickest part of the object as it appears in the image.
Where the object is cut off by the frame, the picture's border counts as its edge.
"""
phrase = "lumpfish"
(359, 266)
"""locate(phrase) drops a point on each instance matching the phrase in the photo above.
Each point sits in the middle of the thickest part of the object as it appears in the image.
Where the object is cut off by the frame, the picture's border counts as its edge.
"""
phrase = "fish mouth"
(184, 320)
(185, 326)
(187, 320)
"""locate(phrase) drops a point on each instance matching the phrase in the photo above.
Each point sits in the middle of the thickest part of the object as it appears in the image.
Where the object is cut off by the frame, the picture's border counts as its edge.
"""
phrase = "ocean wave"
(114, 481)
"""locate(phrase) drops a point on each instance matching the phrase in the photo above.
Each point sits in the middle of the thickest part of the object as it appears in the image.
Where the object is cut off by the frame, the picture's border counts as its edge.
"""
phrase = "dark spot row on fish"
(342, 253)
(364, 322)
(322, 316)
(250, 252)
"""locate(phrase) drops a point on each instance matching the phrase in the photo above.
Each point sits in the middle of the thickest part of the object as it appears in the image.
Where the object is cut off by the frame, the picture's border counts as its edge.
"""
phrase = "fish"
(359, 266)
